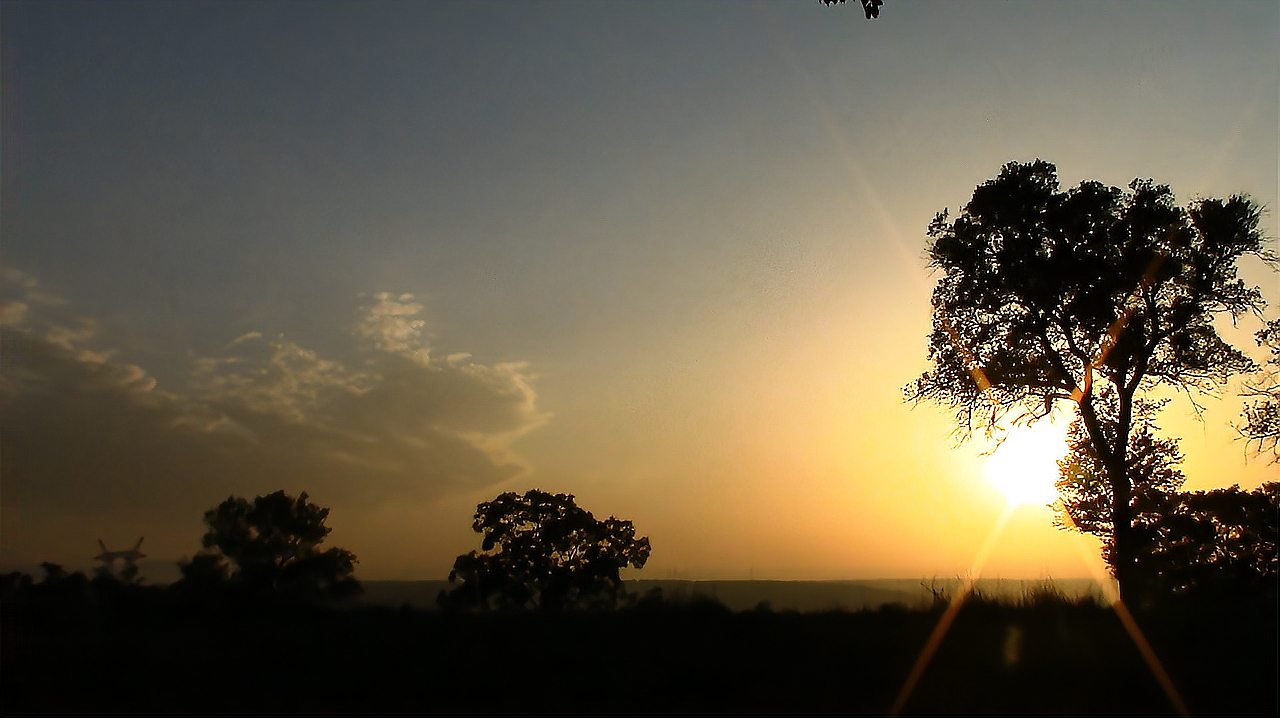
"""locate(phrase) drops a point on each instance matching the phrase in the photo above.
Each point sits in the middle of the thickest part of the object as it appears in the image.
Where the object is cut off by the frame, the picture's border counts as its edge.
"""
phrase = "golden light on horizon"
(1025, 466)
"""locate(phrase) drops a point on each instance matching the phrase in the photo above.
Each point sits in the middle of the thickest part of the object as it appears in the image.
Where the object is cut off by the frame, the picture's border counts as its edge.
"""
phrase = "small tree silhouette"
(271, 545)
(541, 550)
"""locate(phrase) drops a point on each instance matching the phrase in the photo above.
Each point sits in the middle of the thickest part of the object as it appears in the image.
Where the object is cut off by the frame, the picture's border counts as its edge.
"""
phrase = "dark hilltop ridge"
(74, 644)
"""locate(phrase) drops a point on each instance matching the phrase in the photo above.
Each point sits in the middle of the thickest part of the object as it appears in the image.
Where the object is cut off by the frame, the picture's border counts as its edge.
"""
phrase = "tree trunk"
(1122, 549)
(1114, 456)
(1126, 555)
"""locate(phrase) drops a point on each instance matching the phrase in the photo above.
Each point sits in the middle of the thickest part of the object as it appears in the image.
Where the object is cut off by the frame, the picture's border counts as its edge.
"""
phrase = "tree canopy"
(541, 550)
(271, 544)
(1091, 295)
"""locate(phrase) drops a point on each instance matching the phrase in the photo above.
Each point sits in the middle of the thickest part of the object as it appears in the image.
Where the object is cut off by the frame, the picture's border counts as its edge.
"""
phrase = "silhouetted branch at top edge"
(870, 7)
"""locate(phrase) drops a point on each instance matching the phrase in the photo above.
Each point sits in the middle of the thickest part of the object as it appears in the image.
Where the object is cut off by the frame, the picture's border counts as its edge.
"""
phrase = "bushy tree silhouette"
(271, 545)
(206, 571)
(1093, 295)
(541, 550)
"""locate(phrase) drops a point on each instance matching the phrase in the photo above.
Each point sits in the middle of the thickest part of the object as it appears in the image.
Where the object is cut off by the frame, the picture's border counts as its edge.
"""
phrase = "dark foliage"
(270, 546)
(1084, 490)
(1092, 295)
(541, 550)
(1222, 542)
(1261, 428)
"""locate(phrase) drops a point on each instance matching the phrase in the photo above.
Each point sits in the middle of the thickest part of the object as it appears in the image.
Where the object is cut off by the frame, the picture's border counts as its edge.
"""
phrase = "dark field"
(138, 649)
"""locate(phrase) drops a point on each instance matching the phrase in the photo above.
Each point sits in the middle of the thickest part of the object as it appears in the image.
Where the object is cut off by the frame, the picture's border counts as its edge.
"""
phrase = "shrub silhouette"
(1218, 542)
(541, 550)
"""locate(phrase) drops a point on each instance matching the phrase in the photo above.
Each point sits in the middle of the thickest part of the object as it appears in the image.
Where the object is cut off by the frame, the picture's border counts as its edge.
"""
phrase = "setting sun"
(1024, 468)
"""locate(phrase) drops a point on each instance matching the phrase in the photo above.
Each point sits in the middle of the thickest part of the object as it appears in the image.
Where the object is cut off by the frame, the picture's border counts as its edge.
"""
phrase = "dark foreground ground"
(142, 651)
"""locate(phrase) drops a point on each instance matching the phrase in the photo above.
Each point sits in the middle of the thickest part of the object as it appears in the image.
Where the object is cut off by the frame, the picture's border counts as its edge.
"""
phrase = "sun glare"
(1025, 466)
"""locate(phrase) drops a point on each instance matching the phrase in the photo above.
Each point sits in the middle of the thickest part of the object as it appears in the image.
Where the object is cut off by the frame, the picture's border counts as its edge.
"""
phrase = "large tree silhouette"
(1093, 296)
(271, 545)
(541, 550)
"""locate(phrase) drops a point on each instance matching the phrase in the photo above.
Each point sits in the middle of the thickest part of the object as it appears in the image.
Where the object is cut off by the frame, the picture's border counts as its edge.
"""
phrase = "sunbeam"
(948, 616)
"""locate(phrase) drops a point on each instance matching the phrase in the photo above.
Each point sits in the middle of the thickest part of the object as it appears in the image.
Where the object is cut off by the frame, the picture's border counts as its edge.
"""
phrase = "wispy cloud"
(86, 432)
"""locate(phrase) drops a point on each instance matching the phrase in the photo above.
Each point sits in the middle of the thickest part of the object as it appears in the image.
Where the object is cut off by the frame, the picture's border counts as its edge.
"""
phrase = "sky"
(665, 256)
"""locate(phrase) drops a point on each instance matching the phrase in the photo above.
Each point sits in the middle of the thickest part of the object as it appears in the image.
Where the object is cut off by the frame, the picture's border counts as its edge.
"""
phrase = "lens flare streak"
(949, 615)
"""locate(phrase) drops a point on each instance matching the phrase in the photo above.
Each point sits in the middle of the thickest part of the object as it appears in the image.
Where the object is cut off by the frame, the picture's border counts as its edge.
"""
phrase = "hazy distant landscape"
(737, 595)
(805, 596)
